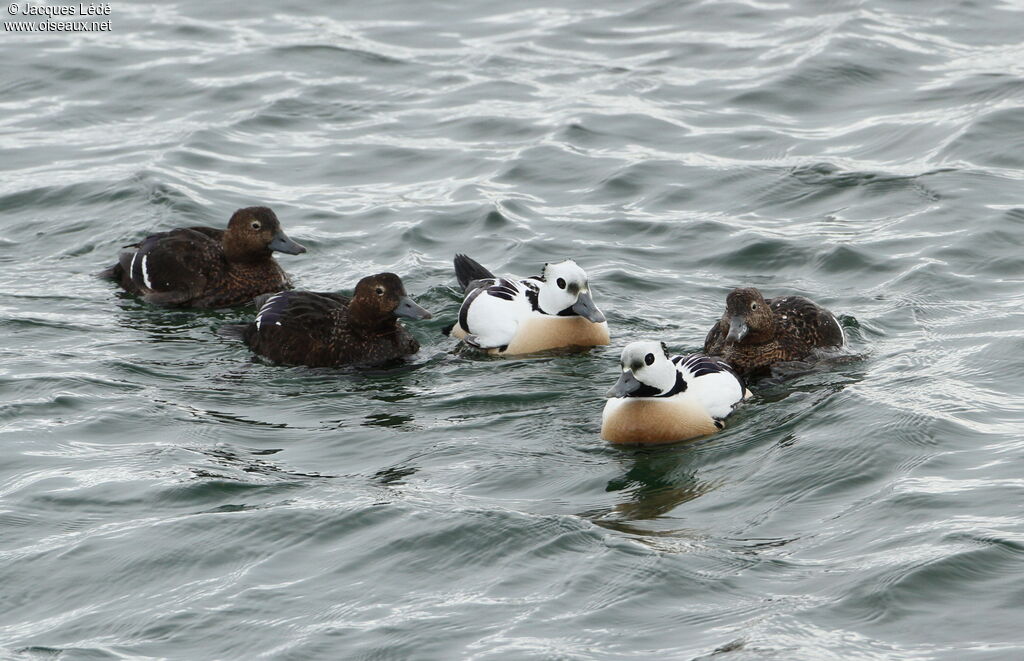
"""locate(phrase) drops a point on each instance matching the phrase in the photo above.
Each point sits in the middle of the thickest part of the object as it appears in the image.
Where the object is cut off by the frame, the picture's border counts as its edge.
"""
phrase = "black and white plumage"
(515, 316)
(661, 399)
(322, 329)
(205, 267)
(754, 333)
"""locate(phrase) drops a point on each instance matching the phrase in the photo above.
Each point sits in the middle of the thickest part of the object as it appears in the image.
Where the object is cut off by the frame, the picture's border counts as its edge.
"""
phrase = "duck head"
(647, 371)
(747, 316)
(380, 299)
(565, 291)
(253, 233)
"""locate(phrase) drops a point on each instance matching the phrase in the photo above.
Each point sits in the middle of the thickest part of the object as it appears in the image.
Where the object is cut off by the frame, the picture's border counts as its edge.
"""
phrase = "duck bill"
(737, 329)
(586, 308)
(410, 310)
(281, 243)
(626, 385)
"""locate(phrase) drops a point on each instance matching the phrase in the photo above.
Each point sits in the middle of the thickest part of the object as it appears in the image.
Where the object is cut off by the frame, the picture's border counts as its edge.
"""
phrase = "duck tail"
(234, 331)
(111, 273)
(467, 270)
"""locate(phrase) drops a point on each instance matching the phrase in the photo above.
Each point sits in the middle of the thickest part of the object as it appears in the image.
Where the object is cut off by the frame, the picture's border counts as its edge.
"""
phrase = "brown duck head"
(379, 300)
(747, 317)
(253, 233)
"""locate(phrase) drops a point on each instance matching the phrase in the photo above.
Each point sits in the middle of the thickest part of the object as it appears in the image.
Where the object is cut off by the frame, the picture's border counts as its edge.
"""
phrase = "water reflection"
(387, 420)
(656, 481)
(173, 324)
(395, 475)
(229, 463)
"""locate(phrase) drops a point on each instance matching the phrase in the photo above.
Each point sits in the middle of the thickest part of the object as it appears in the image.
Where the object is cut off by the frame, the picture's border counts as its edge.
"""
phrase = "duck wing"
(172, 267)
(297, 327)
(300, 310)
(714, 343)
(492, 309)
(340, 299)
(719, 387)
(215, 234)
(698, 365)
(803, 319)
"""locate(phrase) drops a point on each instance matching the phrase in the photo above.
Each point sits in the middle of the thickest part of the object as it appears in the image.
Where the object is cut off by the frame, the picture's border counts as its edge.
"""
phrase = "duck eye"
(649, 359)
(380, 291)
(753, 306)
(255, 224)
(561, 283)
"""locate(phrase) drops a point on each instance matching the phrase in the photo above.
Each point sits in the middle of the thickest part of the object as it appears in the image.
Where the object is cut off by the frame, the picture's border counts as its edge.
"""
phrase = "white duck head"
(647, 371)
(565, 291)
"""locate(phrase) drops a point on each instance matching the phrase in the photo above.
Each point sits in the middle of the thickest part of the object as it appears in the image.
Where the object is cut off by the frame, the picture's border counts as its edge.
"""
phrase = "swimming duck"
(660, 398)
(203, 267)
(755, 333)
(321, 329)
(505, 316)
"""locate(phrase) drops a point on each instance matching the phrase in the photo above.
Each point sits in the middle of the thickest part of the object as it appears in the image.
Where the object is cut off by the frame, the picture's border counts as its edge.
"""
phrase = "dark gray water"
(162, 495)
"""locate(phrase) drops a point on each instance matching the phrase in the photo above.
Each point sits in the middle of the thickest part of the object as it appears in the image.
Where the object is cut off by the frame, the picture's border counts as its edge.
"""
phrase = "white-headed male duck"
(512, 316)
(663, 399)
(203, 267)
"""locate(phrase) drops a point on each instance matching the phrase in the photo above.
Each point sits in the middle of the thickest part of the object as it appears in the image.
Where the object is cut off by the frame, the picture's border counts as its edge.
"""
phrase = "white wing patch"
(263, 310)
(145, 270)
(131, 268)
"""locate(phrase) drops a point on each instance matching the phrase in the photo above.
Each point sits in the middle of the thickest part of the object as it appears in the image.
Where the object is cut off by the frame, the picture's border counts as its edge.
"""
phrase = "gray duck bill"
(409, 309)
(626, 384)
(586, 308)
(737, 329)
(281, 243)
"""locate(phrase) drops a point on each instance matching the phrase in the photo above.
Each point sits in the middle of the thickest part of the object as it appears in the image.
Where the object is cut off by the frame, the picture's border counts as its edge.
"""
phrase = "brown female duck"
(203, 267)
(320, 329)
(755, 333)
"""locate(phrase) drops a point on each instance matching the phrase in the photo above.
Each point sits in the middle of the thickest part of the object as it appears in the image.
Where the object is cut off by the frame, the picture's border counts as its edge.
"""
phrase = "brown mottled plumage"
(320, 330)
(755, 333)
(204, 267)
